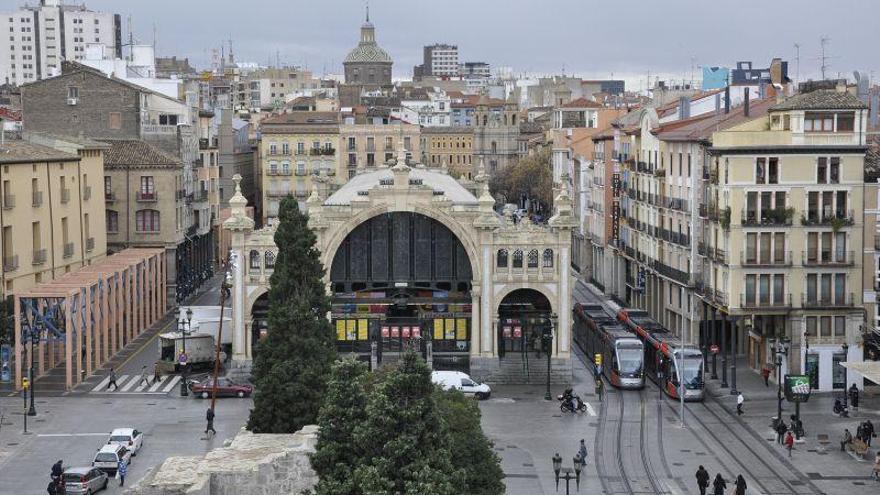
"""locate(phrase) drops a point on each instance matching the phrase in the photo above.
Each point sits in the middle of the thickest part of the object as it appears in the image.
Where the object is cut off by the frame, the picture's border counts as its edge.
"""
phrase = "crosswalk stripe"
(590, 409)
(141, 386)
(102, 384)
(158, 383)
(119, 379)
(171, 384)
(131, 383)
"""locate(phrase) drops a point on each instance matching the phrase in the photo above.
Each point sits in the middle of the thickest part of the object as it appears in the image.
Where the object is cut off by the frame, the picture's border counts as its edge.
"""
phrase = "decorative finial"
(237, 179)
(368, 11)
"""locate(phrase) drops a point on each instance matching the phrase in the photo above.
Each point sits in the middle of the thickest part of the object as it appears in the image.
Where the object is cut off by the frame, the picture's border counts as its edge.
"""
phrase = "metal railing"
(758, 301)
(771, 260)
(68, 250)
(301, 172)
(279, 172)
(90, 244)
(776, 216)
(813, 217)
(37, 198)
(826, 258)
(39, 256)
(146, 197)
(10, 263)
(840, 300)
(109, 197)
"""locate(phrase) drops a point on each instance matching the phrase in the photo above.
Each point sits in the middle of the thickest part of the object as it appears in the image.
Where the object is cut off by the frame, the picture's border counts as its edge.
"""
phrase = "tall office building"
(41, 36)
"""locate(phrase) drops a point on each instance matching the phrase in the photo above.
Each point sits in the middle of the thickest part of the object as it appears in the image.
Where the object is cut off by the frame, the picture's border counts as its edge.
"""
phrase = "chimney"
(684, 107)
(875, 107)
(727, 99)
(746, 101)
(841, 86)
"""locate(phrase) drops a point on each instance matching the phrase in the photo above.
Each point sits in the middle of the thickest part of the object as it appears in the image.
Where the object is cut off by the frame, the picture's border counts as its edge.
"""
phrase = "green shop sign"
(797, 388)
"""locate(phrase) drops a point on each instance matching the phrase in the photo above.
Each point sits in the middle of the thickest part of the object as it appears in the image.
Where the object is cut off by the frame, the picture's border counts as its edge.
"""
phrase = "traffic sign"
(714, 349)
(183, 358)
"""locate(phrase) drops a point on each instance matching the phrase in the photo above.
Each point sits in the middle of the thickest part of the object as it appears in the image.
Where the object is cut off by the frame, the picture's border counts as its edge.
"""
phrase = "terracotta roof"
(300, 117)
(582, 102)
(822, 99)
(136, 152)
(701, 127)
(18, 151)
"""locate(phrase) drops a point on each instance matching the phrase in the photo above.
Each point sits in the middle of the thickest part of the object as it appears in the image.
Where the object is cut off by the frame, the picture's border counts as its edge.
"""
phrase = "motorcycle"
(571, 403)
(840, 409)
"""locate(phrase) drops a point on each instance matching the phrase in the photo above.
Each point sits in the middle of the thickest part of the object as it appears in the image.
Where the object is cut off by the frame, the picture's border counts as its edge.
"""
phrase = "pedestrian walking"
(789, 442)
(51, 489)
(57, 471)
(869, 432)
(702, 479)
(780, 431)
(582, 452)
(740, 485)
(121, 468)
(875, 473)
(209, 416)
(847, 439)
(719, 485)
(112, 380)
(157, 375)
(143, 378)
(854, 396)
(739, 404)
(765, 372)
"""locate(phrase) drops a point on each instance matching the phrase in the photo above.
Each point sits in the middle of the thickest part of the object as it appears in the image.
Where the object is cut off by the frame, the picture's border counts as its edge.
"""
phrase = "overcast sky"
(585, 37)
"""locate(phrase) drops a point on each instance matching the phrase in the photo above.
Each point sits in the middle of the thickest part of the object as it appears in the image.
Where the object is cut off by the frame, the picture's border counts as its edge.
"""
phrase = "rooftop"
(300, 117)
(822, 99)
(701, 127)
(581, 102)
(135, 152)
(18, 151)
(433, 179)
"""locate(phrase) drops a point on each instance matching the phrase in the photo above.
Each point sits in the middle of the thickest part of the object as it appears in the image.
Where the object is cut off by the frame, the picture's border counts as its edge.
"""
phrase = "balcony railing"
(841, 300)
(719, 255)
(87, 193)
(90, 244)
(301, 194)
(842, 218)
(37, 199)
(279, 172)
(8, 201)
(828, 258)
(109, 197)
(758, 301)
(10, 263)
(39, 257)
(777, 259)
(673, 273)
(278, 194)
(68, 250)
(147, 197)
(300, 172)
(200, 195)
(325, 151)
(774, 217)
(65, 195)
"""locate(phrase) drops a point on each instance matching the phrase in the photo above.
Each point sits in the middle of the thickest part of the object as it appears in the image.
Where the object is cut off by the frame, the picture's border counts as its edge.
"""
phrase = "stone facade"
(251, 464)
(496, 133)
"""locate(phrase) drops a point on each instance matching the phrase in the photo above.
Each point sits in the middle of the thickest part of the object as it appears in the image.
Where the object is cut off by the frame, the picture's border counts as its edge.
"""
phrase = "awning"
(868, 369)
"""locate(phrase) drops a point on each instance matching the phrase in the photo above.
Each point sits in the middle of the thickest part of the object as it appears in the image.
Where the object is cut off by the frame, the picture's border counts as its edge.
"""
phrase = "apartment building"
(298, 150)
(439, 60)
(51, 222)
(871, 256)
(271, 87)
(451, 148)
(41, 36)
(370, 138)
(496, 133)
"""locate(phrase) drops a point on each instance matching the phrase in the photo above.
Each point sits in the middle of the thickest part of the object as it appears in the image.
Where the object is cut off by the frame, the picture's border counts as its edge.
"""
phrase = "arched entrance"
(259, 320)
(398, 280)
(523, 316)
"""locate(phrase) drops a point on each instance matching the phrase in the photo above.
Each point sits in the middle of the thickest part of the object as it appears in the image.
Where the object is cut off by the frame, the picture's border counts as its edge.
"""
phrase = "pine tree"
(292, 364)
(343, 409)
(473, 451)
(404, 442)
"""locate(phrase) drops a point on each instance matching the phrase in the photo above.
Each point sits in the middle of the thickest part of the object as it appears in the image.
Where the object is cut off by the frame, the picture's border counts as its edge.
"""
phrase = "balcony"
(828, 258)
(324, 151)
(838, 219)
(301, 172)
(279, 172)
(779, 217)
(39, 257)
(200, 195)
(846, 300)
(37, 199)
(278, 194)
(10, 263)
(8, 201)
(87, 193)
(719, 255)
(90, 244)
(703, 211)
(68, 250)
(65, 195)
(301, 194)
(701, 248)
(147, 197)
(109, 197)
(779, 302)
(678, 204)
(673, 273)
(777, 260)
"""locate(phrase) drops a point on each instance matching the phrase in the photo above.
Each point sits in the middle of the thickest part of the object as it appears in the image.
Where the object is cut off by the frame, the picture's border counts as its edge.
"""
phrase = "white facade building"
(37, 38)
(443, 59)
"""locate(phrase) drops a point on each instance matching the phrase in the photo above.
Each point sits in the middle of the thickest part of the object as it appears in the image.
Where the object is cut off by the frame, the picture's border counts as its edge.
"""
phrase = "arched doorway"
(523, 317)
(259, 320)
(399, 280)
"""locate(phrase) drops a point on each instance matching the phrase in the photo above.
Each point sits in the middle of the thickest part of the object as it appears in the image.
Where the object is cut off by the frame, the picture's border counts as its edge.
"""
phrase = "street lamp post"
(548, 347)
(780, 350)
(566, 472)
(845, 347)
(184, 327)
(35, 334)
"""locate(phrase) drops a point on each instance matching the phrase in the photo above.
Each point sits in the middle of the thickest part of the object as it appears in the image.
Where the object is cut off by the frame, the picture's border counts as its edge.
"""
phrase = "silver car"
(87, 480)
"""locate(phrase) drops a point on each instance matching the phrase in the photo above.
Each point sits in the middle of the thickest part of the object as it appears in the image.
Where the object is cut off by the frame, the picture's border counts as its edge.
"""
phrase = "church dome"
(368, 52)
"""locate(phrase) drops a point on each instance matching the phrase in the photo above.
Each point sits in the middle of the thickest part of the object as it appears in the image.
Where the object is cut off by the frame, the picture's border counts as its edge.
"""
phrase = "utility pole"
(797, 63)
(822, 42)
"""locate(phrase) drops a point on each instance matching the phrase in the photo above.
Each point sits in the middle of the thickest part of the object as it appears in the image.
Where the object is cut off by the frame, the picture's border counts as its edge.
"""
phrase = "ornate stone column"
(239, 226)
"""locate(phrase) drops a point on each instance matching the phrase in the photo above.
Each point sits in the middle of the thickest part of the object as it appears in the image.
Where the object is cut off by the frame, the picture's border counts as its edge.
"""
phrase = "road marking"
(171, 384)
(158, 383)
(131, 383)
(137, 351)
(590, 409)
(105, 434)
(102, 384)
(107, 382)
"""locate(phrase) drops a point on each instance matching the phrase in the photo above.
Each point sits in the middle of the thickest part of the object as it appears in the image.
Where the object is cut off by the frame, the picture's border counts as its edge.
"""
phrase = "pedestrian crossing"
(134, 384)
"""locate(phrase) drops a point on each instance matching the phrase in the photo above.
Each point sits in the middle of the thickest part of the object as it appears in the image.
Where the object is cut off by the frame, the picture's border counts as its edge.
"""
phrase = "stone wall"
(261, 464)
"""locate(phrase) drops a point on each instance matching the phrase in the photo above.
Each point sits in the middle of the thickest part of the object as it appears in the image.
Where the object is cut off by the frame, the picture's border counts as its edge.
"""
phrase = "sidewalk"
(815, 461)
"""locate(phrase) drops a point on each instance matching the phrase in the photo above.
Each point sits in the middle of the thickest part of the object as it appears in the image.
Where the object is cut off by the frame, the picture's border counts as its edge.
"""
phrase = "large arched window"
(517, 258)
(147, 220)
(502, 258)
(255, 259)
(270, 259)
(548, 258)
(533, 258)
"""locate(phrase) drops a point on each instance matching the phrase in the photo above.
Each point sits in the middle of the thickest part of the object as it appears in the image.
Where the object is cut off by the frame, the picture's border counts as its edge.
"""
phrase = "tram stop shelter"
(870, 370)
(84, 317)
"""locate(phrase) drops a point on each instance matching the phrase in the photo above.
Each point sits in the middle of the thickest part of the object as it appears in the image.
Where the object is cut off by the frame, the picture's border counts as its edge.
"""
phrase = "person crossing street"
(739, 404)
(112, 380)
(209, 416)
(582, 452)
(121, 468)
(702, 479)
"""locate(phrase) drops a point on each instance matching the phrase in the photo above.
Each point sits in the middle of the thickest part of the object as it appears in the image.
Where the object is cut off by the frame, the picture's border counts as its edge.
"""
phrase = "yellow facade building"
(452, 147)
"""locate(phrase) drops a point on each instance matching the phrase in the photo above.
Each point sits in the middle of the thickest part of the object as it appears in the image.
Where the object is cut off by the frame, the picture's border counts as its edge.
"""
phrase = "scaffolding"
(81, 319)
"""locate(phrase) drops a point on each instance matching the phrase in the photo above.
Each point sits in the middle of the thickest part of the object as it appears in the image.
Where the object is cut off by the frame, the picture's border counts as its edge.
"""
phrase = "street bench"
(824, 441)
(858, 448)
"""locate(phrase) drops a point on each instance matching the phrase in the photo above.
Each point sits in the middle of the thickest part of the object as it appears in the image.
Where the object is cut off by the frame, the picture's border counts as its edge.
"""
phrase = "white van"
(460, 381)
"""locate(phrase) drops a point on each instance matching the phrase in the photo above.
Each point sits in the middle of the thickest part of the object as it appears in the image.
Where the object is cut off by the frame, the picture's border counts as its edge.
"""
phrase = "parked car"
(108, 457)
(225, 388)
(86, 480)
(461, 381)
(127, 437)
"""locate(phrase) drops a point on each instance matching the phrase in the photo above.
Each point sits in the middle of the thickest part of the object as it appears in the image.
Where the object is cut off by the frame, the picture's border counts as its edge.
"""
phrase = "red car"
(225, 388)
